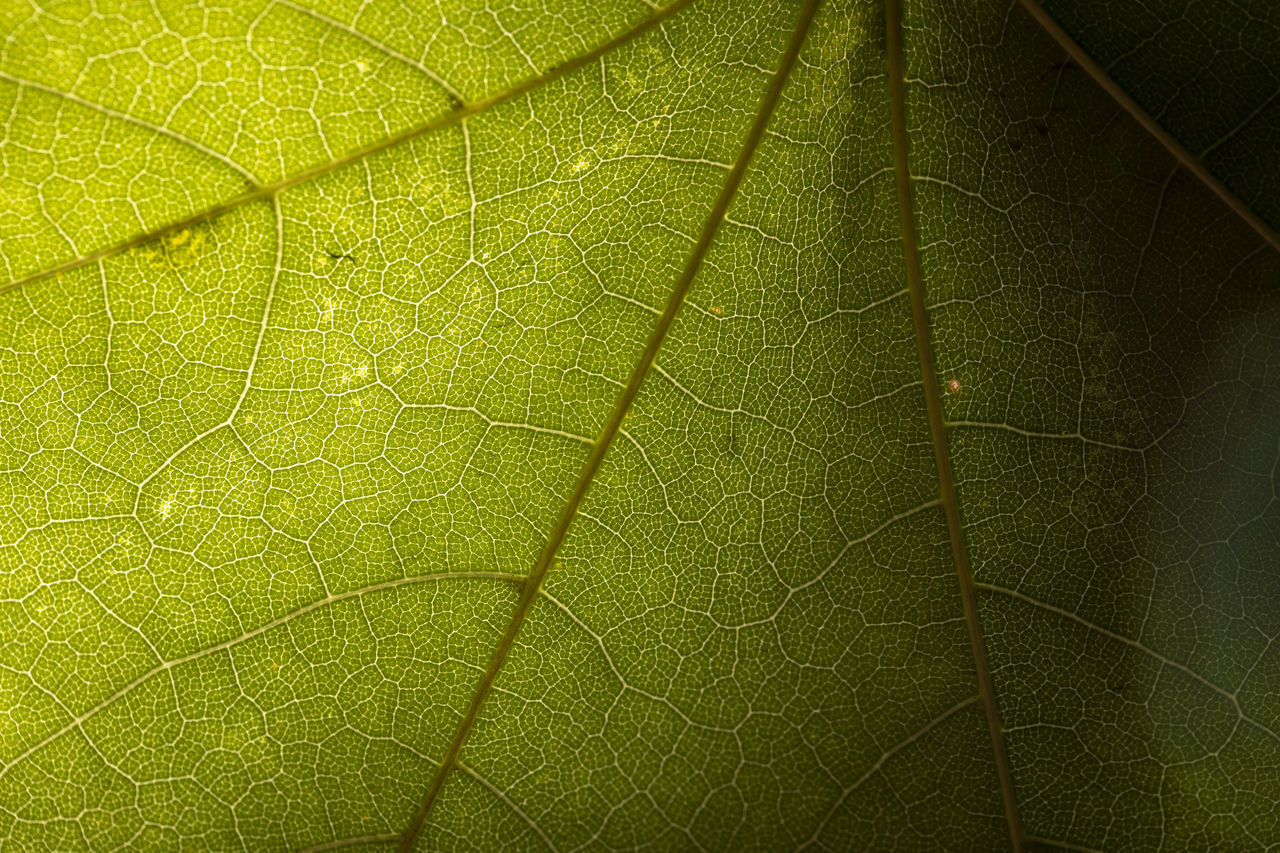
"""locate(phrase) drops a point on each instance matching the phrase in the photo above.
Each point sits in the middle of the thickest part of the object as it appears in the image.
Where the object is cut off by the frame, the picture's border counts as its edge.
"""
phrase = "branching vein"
(534, 582)
(449, 120)
(933, 406)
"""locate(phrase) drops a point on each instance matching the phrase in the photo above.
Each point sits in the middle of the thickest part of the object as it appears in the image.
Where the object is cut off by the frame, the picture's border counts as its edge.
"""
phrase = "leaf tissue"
(704, 425)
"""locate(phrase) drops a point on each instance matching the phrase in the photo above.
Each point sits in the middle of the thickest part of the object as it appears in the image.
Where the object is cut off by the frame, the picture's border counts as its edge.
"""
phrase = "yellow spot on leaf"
(183, 248)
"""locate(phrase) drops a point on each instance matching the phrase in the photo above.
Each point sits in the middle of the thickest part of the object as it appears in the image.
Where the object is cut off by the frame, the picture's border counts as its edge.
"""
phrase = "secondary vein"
(534, 582)
(1150, 125)
(933, 408)
(267, 191)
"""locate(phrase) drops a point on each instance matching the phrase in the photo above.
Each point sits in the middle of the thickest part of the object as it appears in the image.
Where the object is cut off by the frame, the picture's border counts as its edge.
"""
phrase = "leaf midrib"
(933, 409)
(533, 583)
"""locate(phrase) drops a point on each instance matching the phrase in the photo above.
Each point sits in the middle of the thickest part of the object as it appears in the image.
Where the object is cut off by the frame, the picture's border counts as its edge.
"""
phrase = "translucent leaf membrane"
(1206, 72)
(318, 726)
(124, 118)
(753, 637)
(269, 483)
(1114, 438)
(398, 385)
(74, 178)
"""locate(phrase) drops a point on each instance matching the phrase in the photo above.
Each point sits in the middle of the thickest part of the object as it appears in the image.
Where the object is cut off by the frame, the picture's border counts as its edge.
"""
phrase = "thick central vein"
(459, 115)
(933, 407)
(534, 582)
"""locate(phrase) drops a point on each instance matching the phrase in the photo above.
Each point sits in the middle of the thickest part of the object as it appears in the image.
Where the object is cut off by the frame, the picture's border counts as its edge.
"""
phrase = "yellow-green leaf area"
(718, 425)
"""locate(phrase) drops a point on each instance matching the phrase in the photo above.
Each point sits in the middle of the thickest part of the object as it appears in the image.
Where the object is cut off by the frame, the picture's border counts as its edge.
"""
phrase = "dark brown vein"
(1150, 125)
(351, 842)
(457, 116)
(933, 407)
(531, 586)
(1064, 845)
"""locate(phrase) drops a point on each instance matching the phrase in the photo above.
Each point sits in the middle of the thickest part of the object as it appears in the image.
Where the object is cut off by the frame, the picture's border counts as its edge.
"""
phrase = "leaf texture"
(320, 315)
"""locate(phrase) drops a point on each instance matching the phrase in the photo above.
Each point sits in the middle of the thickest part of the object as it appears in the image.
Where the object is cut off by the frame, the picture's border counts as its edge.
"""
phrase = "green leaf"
(596, 426)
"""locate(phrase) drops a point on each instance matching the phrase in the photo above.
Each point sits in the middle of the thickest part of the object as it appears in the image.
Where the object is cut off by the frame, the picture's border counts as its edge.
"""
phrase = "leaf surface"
(326, 328)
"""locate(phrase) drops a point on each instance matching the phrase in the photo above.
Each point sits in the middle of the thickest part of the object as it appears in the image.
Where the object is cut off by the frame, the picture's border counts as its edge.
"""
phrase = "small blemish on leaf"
(181, 249)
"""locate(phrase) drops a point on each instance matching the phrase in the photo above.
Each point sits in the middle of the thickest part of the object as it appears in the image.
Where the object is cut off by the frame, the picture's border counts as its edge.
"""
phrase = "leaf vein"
(502, 795)
(158, 129)
(623, 405)
(1230, 696)
(933, 409)
(433, 76)
(448, 120)
(249, 635)
(885, 756)
(1150, 125)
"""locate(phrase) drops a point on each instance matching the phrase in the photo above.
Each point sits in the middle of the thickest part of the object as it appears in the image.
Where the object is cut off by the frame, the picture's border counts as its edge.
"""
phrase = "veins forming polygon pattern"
(270, 480)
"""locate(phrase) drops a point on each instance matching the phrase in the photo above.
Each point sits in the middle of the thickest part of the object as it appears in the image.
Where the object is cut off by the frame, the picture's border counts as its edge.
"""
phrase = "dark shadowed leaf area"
(572, 425)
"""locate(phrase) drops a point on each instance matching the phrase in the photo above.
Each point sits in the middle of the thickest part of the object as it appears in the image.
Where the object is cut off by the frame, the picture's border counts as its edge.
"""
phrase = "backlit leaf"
(344, 503)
